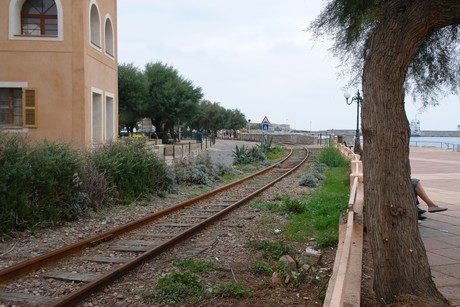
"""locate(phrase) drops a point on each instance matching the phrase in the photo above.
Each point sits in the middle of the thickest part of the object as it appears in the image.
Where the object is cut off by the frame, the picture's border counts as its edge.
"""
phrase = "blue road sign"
(265, 127)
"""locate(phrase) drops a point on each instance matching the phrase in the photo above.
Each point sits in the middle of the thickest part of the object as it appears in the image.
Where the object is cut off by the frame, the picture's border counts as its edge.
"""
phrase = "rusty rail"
(345, 283)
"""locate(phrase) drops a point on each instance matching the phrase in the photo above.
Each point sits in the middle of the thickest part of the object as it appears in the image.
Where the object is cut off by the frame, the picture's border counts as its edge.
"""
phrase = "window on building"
(109, 119)
(97, 119)
(39, 18)
(95, 26)
(108, 35)
(17, 107)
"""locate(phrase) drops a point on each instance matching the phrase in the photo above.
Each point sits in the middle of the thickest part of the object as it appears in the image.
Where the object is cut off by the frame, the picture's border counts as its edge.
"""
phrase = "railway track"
(105, 257)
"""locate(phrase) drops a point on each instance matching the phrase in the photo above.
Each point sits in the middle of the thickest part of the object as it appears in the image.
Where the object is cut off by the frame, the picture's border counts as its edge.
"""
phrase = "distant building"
(59, 70)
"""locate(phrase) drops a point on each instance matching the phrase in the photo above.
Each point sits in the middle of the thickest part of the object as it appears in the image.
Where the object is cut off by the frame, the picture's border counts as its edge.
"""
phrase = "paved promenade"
(439, 172)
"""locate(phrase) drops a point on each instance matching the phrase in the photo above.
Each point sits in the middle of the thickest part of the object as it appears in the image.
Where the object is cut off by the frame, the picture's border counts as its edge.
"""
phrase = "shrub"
(250, 155)
(199, 170)
(332, 157)
(95, 187)
(132, 168)
(38, 185)
(15, 182)
(322, 167)
(309, 180)
(266, 144)
(319, 175)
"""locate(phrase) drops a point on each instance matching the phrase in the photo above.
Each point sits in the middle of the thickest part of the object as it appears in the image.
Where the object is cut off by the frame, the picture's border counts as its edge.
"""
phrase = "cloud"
(250, 55)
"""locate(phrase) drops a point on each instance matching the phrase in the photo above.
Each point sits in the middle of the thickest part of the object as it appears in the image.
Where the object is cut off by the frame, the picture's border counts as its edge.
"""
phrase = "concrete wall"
(281, 138)
(433, 133)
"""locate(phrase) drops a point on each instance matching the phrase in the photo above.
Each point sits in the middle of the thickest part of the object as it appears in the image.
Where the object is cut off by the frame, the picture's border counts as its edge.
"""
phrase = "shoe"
(436, 209)
(421, 217)
(421, 211)
(420, 222)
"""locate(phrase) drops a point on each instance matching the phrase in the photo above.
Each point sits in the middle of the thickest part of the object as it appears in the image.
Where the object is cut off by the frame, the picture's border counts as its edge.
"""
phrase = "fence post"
(189, 145)
(182, 150)
(174, 152)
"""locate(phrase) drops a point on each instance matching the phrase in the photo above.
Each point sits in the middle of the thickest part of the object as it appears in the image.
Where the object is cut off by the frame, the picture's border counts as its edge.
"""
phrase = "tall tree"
(394, 41)
(132, 92)
(171, 98)
(235, 120)
(212, 116)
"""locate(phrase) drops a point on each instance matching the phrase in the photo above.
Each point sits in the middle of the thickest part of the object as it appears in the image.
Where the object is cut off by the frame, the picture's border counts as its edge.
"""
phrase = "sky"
(254, 56)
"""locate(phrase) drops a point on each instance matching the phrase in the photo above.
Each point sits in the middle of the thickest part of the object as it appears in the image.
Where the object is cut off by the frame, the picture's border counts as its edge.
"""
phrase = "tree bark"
(399, 256)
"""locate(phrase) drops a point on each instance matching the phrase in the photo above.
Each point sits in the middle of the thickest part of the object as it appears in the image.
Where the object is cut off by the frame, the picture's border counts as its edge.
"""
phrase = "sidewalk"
(439, 172)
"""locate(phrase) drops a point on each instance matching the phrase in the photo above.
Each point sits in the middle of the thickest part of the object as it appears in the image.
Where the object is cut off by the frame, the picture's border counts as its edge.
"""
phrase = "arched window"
(39, 17)
(95, 26)
(108, 35)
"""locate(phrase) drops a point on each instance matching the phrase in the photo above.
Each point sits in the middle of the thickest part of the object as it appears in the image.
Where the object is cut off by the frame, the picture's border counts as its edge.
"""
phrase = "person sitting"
(419, 191)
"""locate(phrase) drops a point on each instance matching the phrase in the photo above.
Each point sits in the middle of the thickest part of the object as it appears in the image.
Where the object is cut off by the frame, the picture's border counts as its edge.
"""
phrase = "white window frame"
(14, 31)
(90, 36)
(112, 117)
(112, 41)
(91, 119)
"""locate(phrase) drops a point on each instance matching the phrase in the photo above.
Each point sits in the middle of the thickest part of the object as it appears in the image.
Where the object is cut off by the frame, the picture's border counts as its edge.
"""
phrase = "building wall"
(63, 71)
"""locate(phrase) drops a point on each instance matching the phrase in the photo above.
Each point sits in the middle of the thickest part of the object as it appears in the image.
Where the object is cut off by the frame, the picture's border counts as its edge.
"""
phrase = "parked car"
(124, 132)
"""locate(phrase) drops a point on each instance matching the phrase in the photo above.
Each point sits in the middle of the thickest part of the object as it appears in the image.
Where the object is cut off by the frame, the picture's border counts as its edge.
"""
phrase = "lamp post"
(358, 99)
(249, 125)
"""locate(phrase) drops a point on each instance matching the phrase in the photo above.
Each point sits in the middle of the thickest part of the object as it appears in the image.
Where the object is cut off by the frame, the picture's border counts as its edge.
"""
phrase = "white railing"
(344, 287)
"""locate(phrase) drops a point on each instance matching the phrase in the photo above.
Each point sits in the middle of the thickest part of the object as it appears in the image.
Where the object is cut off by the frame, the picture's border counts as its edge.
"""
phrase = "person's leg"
(432, 207)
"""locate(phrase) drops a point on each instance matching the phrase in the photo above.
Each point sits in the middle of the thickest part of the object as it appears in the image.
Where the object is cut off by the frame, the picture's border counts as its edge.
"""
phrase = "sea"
(440, 142)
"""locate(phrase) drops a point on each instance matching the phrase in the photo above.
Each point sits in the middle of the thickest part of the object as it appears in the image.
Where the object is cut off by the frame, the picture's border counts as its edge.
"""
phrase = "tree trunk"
(399, 256)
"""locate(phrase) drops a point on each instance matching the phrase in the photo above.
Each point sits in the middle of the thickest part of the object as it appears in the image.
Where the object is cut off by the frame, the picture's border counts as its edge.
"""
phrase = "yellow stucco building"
(59, 70)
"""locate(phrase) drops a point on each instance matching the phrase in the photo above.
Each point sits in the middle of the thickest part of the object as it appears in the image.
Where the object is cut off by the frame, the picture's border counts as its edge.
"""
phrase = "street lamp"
(249, 125)
(358, 99)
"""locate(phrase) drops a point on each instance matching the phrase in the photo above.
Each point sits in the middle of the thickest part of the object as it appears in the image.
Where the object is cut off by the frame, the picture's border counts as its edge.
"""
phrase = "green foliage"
(351, 24)
(234, 119)
(176, 288)
(294, 206)
(245, 155)
(273, 207)
(194, 266)
(321, 167)
(93, 189)
(309, 180)
(284, 271)
(132, 94)
(265, 145)
(271, 250)
(38, 184)
(322, 210)
(262, 267)
(233, 289)
(132, 168)
(276, 153)
(319, 175)
(199, 170)
(171, 98)
(332, 157)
